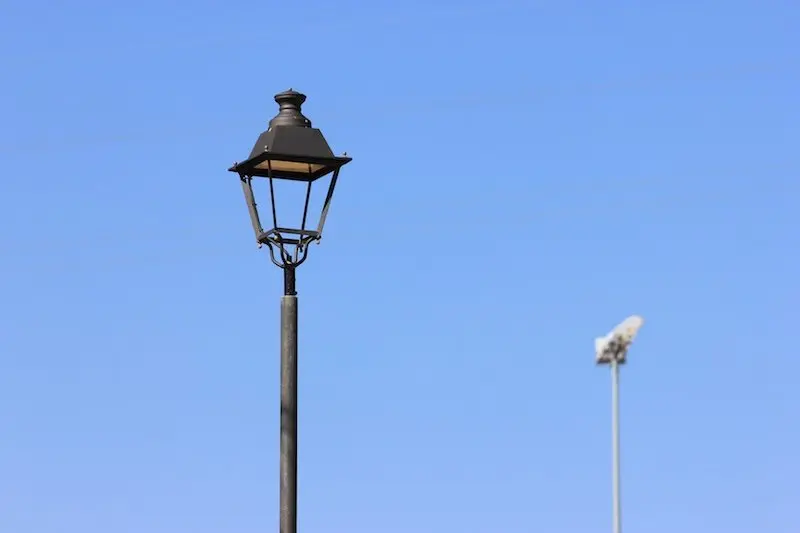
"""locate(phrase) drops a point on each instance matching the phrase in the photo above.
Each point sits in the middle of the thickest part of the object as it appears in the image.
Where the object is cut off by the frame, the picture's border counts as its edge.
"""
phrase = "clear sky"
(525, 175)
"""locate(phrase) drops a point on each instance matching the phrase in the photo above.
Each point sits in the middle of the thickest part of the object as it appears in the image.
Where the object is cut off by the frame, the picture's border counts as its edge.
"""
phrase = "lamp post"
(292, 151)
(612, 350)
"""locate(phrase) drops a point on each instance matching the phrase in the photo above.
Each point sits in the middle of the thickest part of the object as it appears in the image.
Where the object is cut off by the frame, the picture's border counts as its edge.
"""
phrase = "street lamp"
(612, 350)
(294, 152)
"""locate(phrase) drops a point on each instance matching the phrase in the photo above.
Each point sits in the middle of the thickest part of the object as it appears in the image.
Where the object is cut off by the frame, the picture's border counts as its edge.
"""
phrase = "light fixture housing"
(290, 149)
(614, 346)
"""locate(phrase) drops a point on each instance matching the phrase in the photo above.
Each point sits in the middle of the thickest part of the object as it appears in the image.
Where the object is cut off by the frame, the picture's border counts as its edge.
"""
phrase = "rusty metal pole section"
(288, 462)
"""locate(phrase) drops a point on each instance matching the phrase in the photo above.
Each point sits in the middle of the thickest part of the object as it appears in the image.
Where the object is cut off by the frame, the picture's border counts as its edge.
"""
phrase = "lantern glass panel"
(279, 166)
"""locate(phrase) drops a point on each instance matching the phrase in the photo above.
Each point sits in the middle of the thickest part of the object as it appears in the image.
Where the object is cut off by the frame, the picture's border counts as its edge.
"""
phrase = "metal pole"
(288, 466)
(615, 446)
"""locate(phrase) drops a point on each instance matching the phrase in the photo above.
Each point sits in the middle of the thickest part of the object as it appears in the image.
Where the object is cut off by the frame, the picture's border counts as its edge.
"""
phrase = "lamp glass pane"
(279, 166)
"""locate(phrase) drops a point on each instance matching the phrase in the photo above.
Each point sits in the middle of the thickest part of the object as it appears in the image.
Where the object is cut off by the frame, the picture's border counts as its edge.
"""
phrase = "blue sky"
(525, 175)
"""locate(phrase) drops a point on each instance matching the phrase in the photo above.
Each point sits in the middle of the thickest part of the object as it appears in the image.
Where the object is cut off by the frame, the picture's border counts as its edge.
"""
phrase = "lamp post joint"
(289, 280)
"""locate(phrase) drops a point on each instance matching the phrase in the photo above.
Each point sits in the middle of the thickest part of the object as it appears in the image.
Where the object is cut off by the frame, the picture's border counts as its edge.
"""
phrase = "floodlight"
(614, 346)
(612, 350)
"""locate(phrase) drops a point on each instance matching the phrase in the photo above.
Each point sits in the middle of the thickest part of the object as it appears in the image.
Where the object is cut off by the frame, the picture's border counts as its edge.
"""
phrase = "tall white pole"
(615, 477)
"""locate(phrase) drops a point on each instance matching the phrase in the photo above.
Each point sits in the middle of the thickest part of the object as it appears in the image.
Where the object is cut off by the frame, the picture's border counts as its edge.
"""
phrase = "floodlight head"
(614, 346)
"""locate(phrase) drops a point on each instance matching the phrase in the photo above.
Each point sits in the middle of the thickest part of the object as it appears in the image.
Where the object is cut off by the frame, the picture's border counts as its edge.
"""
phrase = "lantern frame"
(290, 150)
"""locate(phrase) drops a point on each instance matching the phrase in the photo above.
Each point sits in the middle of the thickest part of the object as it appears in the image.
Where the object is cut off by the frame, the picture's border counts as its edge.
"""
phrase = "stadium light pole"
(612, 350)
(293, 152)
